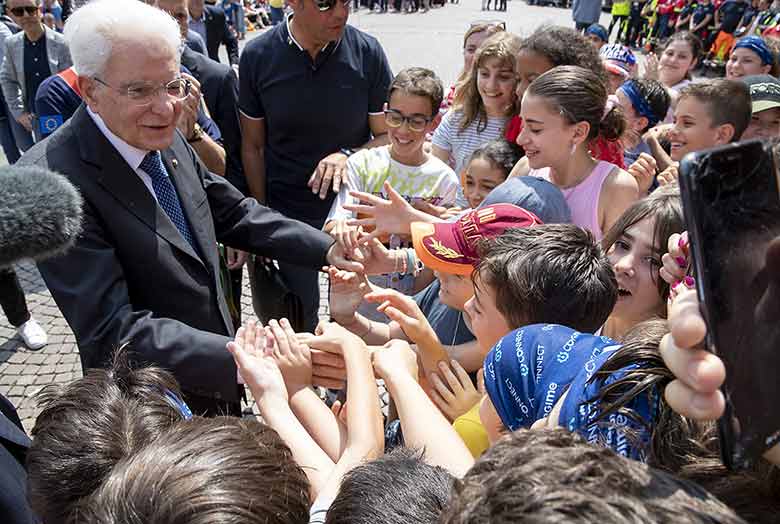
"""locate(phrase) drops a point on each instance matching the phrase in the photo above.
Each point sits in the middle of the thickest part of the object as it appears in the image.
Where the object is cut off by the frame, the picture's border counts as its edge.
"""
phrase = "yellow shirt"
(471, 430)
(276, 3)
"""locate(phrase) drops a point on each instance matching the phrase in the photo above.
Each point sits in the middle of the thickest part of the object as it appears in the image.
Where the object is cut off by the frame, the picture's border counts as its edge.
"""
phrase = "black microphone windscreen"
(40, 214)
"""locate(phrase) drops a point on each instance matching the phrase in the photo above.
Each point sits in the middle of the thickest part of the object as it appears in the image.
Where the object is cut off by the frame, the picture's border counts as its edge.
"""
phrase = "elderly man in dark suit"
(211, 23)
(145, 268)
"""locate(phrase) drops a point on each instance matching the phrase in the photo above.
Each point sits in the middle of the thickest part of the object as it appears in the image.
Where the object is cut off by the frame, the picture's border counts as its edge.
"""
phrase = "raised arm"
(423, 425)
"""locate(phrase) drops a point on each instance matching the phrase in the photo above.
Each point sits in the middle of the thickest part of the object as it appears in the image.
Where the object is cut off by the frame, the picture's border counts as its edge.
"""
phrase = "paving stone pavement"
(24, 373)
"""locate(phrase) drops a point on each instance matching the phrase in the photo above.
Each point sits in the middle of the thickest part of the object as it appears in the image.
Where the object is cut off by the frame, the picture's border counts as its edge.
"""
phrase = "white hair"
(93, 30)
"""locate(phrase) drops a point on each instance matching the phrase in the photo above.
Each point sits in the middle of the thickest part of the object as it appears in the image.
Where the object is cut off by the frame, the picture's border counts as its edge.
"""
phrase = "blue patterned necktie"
(166, 194)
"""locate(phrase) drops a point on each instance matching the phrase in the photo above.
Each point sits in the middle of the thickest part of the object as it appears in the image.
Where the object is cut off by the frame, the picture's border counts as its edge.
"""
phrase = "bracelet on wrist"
(409, 267)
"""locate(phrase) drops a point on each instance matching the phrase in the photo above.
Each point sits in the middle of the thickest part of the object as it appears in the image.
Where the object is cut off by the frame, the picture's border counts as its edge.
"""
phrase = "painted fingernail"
(676, 283)
(683, 241)
(681, 261)
(689, 282)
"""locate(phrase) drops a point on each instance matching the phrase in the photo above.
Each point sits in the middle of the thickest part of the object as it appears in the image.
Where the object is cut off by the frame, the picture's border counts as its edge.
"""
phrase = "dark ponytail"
(613, 124)
(580, 95)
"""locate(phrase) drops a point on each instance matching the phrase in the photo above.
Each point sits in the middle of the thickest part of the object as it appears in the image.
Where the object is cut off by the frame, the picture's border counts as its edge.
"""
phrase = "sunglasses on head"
(327, 5)
(20, 11)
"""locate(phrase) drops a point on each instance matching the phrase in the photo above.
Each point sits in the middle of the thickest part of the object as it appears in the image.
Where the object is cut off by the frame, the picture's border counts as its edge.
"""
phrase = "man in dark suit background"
(211, 23)
(145, 268)
(219, 86)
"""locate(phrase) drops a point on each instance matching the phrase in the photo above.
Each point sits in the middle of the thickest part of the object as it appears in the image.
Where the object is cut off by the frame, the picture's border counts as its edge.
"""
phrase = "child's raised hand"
(346, 293)
(347, 237)
(668, 176)
(396, 357)
(328, 369)
(658, 132)
(256, 364)
(292, 357)
(427, 207)
(402, 309)
(676, 259)
(378, 259)
(332, 338)
(458, 395)
(698, 373)
(643, 170)
(340, 411)
(451, 212)
(392, 216)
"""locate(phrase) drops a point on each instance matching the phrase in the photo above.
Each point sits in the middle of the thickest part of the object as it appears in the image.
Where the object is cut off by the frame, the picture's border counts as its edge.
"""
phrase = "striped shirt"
(461, 144)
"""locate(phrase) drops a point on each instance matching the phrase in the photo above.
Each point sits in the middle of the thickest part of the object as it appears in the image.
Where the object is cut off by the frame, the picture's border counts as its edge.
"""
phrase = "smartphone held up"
(731, 201)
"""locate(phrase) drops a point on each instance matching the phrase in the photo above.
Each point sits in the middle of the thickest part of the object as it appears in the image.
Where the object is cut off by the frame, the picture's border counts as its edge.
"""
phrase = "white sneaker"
(33, 334)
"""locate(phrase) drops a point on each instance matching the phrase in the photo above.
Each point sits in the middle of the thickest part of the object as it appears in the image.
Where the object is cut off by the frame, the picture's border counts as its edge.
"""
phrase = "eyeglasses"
(395, 118)
(327, 5)
(20, 11)
(143, 94)
(489, 23)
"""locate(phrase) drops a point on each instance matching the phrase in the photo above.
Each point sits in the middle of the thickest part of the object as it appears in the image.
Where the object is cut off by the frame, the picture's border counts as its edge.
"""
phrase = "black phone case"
(738, 448)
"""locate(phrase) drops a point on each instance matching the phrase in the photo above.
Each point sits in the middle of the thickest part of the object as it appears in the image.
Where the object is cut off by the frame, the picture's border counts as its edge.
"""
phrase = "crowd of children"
(718, 25)
(525, 303)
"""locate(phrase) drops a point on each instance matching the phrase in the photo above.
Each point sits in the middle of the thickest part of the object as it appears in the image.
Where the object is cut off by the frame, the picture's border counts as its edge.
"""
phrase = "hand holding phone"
(732, 209)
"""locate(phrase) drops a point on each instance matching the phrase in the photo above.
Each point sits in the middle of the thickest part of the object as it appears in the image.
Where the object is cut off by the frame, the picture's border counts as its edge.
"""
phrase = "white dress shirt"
(131, 154)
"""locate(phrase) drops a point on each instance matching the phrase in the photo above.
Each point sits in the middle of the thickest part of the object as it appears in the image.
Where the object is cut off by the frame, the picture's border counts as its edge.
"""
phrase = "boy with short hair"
(765, 101)
(708, 114)
(553, 476)
(553, 273)
(222, 469)
(412, 106)
(117, 411)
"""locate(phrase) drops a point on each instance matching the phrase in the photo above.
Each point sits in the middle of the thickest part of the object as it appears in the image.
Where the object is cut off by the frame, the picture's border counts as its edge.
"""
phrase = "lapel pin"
(175, 163)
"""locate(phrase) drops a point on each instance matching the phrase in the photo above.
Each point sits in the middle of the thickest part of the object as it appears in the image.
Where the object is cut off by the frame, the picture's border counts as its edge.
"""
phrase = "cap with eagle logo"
(453, 247)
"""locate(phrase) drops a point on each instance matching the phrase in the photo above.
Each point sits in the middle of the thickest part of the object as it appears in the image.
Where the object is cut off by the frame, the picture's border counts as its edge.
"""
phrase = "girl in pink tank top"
(564, 110)
(583, 199)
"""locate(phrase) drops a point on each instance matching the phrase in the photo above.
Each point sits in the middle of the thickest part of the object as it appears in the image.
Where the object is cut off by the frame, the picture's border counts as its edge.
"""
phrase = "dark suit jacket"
(131, 275)
(14, 444)
(218, 32)
(219, 86)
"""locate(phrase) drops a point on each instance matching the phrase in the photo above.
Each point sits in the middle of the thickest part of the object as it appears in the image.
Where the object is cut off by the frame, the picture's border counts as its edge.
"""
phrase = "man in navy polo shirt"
(310, 90)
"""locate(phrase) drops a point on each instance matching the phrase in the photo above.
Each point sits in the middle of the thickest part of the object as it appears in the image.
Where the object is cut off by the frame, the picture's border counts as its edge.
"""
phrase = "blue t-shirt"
(311, 108)
(447, 323)
(630, 155)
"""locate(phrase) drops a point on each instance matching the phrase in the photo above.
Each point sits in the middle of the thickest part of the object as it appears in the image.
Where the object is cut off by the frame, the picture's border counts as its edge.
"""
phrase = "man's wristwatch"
(197, 134)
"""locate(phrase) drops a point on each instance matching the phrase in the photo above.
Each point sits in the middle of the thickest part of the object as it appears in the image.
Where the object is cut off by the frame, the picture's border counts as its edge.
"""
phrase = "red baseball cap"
(453, 247)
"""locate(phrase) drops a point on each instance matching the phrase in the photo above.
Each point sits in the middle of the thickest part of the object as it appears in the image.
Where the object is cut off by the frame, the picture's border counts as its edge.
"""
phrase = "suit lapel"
(116, 176)
(10, 432)
(52, 51)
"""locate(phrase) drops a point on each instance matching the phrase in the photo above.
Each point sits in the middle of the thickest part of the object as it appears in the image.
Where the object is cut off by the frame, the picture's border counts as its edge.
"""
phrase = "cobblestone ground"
(432, 39)
(23, 373)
